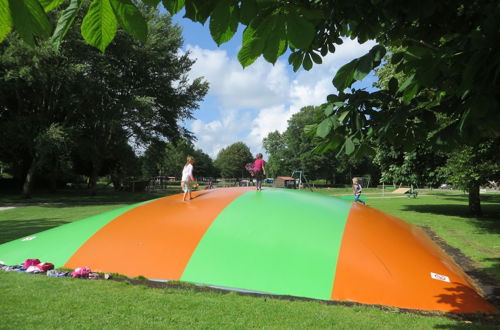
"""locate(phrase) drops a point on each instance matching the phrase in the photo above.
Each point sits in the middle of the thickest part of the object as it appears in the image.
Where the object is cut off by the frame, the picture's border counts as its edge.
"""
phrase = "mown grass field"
(35, 301)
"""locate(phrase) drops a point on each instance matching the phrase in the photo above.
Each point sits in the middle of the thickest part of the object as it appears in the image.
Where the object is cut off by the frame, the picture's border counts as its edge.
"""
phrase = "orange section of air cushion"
(156, 239)
(383, 260)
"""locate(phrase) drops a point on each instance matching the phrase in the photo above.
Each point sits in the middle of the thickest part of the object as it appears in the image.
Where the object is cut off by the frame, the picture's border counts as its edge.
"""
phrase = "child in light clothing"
(187, 178)
(357, 190)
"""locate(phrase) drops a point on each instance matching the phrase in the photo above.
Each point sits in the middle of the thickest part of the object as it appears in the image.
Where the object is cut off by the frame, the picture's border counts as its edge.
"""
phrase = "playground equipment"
(276, 241)
(302, 179)
(409, 192)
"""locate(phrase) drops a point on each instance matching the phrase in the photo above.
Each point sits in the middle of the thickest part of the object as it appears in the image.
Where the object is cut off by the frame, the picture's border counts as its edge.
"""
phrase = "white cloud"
(260, 85)
(261, 98)
(217, 134)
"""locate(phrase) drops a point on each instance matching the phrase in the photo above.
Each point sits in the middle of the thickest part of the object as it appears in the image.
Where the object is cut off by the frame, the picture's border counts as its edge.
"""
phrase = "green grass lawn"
(84, 197)
(73, 303)
(35, 301)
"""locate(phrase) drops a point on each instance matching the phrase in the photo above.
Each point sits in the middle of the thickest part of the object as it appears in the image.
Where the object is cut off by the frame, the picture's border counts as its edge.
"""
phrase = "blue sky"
(247, 104)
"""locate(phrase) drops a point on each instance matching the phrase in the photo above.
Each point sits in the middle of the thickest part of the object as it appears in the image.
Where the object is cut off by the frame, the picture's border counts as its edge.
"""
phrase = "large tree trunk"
(474, 200)
(28, 181)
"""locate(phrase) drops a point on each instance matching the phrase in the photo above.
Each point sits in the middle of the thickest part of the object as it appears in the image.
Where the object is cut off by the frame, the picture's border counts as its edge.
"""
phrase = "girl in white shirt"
(187, 177)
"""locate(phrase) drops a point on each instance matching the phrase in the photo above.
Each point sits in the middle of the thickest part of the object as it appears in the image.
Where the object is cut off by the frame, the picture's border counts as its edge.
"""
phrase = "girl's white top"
(187, 173)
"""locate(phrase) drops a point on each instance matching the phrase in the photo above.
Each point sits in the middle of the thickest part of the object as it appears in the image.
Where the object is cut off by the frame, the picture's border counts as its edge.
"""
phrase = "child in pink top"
(259, 170)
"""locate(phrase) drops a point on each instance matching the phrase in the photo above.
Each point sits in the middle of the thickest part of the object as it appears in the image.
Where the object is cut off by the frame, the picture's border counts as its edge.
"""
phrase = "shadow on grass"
(14, 229)
(464, 198)
(494, 270)
(489, 221)
(80, 196)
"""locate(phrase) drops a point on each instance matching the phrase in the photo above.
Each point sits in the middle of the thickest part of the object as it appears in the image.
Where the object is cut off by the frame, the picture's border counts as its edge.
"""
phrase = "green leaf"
(329, 110)
(5, 19)
(343, 115)
(248, 11)
(393, 85)
(324, 50)
(297, 61)
(224, 21)
(324, 128)
(151, 3)
(307, 62)
(331, 48)
(406, 83)
(300, 32)
(312, 14)
(292, 57)
(418, 51)
(310, 129)
(363, 67)
(65, 21)
(173, 6)
(410, 93)
(349, 146)
(378, 52)
(316, 58)
(199, 10)
(333, 98)
(99, 24)
(130, 19)
(48, 5)
(275, 43)
(345, 75)
(30, 19)
(397, 57)
(252, 47)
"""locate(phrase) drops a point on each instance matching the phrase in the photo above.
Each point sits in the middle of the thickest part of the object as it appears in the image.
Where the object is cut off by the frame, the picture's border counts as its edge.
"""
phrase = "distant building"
(285, 182)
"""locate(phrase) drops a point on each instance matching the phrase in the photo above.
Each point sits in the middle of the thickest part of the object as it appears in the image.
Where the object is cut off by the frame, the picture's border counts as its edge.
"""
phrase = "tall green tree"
(168, 159)
(295, 150)
(471, 167)
(138, 90)
(449, 47)
(276, 147)
(231, 161)
(36, 88)
(421, 167)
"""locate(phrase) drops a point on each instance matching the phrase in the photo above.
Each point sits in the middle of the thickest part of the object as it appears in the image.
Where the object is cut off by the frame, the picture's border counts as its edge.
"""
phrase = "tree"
(447, 51)
(449, 47)
(295, 150)
(136, 91)
(168, 159)
(471, 167)
(231, 161)
(36, 86)
(420, 167)
(204, 167)
(275, 145)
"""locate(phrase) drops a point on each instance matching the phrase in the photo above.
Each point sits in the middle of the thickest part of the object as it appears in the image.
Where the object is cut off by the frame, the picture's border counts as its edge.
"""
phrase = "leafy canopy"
(447, 52)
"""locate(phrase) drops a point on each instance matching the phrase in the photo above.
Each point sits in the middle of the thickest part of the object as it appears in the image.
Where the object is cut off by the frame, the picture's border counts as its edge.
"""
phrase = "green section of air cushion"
(277, 241)
(58, 244)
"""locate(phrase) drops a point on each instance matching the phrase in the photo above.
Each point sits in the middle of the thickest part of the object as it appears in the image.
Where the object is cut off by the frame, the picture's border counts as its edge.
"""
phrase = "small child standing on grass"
(187, 178)
(357, 190)
(259, 170)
